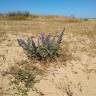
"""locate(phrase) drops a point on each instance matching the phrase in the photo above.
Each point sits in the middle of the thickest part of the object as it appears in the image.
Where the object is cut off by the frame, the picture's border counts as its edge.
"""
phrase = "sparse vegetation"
(85, 19)
(30, 77)
(19, 15)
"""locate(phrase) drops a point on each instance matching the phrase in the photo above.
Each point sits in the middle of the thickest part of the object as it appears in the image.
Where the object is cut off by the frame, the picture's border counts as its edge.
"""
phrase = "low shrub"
(46, 47)
(24, 76)
(23, 79)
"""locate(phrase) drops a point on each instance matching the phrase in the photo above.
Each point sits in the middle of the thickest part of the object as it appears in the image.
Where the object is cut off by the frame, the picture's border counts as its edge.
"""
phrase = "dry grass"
(72, 74)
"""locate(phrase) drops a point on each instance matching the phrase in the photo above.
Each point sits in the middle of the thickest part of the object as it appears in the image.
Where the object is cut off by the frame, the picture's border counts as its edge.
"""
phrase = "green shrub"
(85, 19)
(47, 46)
(23, 79)
(24, 76)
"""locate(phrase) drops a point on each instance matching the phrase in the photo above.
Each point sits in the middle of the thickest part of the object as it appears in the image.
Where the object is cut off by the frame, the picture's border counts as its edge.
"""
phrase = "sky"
(78, 8)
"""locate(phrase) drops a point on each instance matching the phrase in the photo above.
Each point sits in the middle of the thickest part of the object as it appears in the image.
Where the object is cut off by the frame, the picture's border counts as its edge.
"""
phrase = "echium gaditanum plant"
(46, 47)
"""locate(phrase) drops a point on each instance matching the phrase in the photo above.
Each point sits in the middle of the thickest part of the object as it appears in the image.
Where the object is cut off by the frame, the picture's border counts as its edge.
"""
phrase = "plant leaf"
(60, 37)
(22, 43)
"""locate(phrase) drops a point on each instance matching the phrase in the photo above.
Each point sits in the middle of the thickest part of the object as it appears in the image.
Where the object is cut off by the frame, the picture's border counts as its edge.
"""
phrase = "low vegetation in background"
(17, 16)
(29, 16)
(73, 20)
(46, 47)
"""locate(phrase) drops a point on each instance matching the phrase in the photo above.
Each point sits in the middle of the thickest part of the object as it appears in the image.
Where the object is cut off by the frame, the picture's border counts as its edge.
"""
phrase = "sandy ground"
(74, 75)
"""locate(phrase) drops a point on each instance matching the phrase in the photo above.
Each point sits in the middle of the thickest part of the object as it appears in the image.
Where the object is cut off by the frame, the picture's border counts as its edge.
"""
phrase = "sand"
(74, 75)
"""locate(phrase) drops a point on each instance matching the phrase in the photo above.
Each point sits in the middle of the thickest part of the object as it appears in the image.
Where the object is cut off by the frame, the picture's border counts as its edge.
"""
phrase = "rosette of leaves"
(47, 46)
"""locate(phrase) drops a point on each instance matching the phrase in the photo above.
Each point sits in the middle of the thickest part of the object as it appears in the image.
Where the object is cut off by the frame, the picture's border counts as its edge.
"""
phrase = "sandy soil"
(74, 75)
